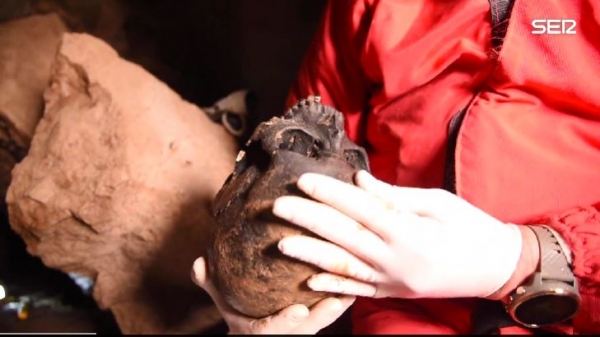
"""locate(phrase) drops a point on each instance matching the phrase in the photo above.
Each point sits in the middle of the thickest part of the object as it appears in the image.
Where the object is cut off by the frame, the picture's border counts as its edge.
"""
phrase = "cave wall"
(203, 49)
(217, 46)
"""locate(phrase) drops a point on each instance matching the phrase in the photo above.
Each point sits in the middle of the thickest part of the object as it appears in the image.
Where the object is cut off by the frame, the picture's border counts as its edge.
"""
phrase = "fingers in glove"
(200, 277)
(350, 200)
(342, 285)
(366, 181)
(328, 256)
(333, 226)
(406, 199)
(323, 314)
(283, 322)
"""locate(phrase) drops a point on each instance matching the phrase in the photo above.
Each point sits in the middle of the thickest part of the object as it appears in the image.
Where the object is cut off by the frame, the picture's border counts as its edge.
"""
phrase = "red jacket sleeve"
(580, 228)
(332, 66)
(407, 317)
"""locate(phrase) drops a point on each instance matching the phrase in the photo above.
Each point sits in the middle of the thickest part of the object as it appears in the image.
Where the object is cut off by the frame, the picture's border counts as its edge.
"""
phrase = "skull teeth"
(240, 156)
(302, 104)
(310, 100)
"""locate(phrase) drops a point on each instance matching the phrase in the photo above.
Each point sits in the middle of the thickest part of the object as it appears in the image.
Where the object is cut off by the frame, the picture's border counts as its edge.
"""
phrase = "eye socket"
(301, 142)
(254, 155)
(234, 123)
(357, 159)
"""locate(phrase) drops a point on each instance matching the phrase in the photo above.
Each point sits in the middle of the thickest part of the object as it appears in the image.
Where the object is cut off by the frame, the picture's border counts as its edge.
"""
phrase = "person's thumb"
(200, 277)
(200, 274)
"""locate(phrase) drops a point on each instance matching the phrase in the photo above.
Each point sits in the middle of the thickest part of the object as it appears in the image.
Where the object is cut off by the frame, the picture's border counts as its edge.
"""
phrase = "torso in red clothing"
(529, 144)
(530, 140)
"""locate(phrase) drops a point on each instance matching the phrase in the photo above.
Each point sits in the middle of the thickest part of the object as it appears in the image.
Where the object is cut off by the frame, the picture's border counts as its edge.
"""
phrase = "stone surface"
(27, 49)
(244, 262)
(117, 186)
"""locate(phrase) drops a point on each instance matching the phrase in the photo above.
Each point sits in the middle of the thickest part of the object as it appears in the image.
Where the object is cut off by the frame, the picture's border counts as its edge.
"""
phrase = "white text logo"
(554, 27)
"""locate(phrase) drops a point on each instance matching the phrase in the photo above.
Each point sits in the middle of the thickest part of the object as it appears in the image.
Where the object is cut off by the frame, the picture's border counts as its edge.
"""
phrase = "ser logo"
(554, 27)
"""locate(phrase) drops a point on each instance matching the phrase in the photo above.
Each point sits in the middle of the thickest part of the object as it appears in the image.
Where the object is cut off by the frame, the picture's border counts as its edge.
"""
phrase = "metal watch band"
(555, 256)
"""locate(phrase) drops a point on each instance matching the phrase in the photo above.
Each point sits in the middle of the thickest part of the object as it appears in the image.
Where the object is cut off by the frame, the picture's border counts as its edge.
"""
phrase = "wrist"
(526, 266)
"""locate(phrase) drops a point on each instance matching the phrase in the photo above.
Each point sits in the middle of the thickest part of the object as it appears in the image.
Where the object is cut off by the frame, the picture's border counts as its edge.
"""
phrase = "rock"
(27, 49)
(113, 21)
(117, 187)
(110, 20)
(244, 262)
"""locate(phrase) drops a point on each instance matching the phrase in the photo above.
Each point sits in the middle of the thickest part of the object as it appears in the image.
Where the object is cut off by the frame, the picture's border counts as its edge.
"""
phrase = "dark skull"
(244, 262)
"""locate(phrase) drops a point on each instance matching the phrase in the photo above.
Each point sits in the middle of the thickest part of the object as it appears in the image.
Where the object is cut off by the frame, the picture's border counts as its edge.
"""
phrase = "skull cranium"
(244, 262)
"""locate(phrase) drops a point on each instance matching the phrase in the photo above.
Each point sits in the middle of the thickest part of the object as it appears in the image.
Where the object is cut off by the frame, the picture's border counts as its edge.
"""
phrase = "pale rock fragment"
(117, 187)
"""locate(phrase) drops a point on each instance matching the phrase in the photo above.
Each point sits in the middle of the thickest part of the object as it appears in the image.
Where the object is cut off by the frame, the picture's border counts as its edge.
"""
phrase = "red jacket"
(528, 148)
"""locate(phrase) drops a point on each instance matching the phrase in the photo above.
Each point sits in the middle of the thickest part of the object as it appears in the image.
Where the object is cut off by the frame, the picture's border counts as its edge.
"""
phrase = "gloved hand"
(295, 319)
(389, 241)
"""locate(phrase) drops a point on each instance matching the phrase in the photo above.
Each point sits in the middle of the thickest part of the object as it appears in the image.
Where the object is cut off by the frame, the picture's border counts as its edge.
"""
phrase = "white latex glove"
(415, 243)
(295, 319)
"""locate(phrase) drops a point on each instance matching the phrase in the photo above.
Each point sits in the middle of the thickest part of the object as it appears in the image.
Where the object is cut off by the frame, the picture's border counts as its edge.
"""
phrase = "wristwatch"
(551, 294)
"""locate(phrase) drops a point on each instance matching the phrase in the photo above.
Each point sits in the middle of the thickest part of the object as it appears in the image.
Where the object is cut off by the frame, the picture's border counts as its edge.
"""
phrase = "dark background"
(203, 49)
(217, 46)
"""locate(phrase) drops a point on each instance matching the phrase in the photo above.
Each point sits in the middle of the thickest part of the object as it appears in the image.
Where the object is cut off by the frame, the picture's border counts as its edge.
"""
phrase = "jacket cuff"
(580, 229)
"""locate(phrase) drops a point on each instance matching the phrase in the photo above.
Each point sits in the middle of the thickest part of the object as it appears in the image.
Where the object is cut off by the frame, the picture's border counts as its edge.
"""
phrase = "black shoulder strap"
(489, 316)
(500, 10)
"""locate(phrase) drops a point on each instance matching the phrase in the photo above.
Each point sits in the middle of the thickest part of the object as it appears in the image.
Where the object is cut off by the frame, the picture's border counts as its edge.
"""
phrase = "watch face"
(546, 309)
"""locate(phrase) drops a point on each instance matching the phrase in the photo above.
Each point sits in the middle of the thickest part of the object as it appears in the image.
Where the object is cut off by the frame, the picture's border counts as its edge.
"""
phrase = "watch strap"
(555, 256)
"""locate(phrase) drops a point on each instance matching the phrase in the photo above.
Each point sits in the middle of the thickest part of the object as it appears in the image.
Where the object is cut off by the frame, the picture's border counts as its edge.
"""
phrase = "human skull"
(244, 262)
